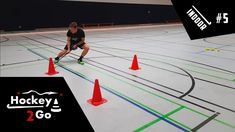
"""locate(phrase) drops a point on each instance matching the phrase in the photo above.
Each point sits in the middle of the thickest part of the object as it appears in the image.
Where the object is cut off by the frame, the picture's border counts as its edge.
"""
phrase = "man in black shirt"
(75, 38)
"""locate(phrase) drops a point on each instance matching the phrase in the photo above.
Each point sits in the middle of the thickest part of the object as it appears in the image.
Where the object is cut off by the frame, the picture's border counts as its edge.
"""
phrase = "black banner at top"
(206, 18)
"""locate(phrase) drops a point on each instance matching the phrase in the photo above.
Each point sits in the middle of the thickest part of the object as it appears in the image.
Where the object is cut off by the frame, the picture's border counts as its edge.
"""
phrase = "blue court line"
(124, 98)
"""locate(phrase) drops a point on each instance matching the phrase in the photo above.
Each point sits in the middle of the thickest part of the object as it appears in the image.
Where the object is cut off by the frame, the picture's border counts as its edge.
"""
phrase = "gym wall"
(31, 14)
(152, 2)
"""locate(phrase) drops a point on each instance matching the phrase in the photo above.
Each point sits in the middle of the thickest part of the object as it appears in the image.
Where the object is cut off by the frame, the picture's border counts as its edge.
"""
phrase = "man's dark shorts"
(72, 46)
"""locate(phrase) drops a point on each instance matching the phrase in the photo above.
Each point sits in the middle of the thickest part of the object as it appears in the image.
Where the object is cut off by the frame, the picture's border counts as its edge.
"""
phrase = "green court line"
(158, 61)
(222, 72)
(151, 109)
(185, 126)
(223, 122)
(191, 65)
(181, 124)
(162, 98)
(200, 113)
(173, 101)
(139, 103)
(178, 61)
(133, 100)
(203, 73)
(206, 69)
(218, 120)
(142, 89)
(157, 120)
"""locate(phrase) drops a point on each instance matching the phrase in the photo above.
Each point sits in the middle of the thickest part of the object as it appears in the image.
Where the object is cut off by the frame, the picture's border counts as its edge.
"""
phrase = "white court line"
(102, 29)
(201, 15)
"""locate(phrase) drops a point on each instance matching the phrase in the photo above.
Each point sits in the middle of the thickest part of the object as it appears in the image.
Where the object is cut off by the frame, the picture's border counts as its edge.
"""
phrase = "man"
(75, 38)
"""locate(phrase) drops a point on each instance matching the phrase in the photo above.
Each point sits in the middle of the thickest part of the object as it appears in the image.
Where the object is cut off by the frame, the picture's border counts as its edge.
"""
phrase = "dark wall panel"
(30, 14)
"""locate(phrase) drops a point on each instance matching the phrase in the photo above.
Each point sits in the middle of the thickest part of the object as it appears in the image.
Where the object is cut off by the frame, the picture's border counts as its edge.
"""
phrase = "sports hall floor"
(183, 84)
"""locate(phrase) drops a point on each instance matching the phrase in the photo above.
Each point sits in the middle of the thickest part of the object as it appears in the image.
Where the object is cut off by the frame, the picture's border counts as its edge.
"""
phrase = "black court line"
(150, 87)
(174, 50)
(205, 40)
(192, 96)
(233, 72)
(203, 100)
(112, 92)
(191, 77)
(113, 37)
(226, 86)
(181, 74)
(188, 44)
(159, 91)
(177, 58)
(174, 43)
(22, 62)
(184, 94)
(177, 72)
(188, 92)
(136, 76)
(230, 45)
(220, 106)
(158, 55)
(119, 57)
(205, 122)
(6, 39)
(135, 80)
(188, 74)
(194, 77)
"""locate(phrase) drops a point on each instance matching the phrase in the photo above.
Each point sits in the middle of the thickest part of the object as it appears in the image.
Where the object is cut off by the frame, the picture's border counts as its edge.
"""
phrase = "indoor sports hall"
(179, 84)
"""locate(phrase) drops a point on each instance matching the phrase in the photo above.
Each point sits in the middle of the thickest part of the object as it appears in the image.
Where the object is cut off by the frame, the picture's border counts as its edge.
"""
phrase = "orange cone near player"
(97, 97)
(51, 68)
(135, 65)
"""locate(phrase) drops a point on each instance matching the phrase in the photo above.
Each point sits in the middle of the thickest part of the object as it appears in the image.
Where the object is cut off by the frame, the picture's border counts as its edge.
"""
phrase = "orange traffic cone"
(135, 65)
(51, 68)
(97, 97)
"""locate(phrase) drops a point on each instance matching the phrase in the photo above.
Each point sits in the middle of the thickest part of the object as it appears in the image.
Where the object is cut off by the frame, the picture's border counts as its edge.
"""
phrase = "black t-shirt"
(76, 37)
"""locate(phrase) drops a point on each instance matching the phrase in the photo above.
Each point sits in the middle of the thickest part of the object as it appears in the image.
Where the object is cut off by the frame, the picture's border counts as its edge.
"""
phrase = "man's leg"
(63, 52)
(85, 48)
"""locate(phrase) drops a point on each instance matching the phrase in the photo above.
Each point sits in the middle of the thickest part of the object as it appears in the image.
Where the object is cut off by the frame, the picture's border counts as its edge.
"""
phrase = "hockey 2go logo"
(28, 100)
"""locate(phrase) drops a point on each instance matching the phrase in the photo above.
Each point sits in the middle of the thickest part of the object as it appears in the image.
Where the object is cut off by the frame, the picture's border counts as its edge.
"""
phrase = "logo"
(46, 103)
(198, 18)
(37, 105)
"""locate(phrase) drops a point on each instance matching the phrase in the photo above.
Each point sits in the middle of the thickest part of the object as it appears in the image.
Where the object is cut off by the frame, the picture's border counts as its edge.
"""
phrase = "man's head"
(73, 26)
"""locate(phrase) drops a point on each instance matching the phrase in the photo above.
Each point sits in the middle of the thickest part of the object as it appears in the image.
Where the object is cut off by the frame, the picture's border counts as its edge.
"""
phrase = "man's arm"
(68, 43)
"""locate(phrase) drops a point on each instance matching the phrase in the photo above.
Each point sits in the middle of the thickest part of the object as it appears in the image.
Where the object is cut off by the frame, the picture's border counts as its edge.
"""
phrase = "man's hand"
(75, 46)
(68, 51)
